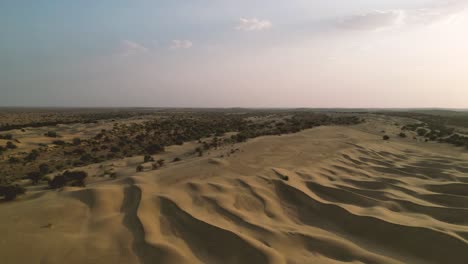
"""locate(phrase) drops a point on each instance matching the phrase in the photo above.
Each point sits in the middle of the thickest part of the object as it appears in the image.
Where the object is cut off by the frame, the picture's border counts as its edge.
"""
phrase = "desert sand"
(325, 195)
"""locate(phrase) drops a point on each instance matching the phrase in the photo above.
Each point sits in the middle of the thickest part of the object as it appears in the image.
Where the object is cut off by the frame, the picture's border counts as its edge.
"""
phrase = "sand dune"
(324, 195)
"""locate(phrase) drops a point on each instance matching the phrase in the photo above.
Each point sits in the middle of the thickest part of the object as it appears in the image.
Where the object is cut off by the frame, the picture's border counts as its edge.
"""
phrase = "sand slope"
(350, 197)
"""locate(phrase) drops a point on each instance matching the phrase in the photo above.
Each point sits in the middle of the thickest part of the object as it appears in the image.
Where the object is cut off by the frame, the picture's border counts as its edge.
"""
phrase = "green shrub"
(385, 137)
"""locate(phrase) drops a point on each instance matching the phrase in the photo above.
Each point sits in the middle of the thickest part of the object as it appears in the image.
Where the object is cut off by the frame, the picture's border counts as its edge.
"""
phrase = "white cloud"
(181, 44)
(129, 48)
(253, 24)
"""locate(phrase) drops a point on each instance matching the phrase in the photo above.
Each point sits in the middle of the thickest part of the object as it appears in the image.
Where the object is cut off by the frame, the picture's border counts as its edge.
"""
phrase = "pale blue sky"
(296, 53)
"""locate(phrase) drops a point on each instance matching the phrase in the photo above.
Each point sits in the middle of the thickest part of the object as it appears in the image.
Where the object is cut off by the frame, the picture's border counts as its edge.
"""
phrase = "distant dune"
(324, 195)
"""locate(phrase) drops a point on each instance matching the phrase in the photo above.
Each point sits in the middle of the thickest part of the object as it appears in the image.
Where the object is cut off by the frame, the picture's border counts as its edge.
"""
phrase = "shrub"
(385, 137)
(86, 157)
(176, 159)
(32, 156)
(76, 141)
(155, 166)
(35, 177)
(114, 149)
(402, 135)
(10, 192)
(44, 169)
(13, 160)
(154, 148)
(52, 134)
(58, 181)
(199, 151)
(160, 162)
(69, 178)
(6, 136)
(58, 142)
(2, 149)
(139, 168)
(148, 158)
(421, 131)
(10, 145)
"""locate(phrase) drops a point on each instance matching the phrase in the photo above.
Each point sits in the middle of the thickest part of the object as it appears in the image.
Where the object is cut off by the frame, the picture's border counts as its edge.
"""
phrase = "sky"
(243, 53)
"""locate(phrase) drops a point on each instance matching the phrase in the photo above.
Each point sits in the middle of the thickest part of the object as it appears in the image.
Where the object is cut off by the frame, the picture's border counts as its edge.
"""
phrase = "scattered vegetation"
(6, 136)
(438, 126)
(163, 129)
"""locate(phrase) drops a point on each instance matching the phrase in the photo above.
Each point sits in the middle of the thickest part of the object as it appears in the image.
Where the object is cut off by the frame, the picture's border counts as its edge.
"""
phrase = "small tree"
(402, 135)
(385, 137)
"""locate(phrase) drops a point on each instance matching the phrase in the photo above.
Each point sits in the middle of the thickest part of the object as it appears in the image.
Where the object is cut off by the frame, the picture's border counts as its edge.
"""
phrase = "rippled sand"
(349, 197)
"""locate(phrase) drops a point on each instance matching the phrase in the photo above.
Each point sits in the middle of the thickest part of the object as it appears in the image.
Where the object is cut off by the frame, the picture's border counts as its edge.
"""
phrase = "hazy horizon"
(249, 54)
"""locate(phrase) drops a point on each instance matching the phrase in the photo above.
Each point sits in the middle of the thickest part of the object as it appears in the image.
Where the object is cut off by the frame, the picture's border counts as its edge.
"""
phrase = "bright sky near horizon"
(244, 53)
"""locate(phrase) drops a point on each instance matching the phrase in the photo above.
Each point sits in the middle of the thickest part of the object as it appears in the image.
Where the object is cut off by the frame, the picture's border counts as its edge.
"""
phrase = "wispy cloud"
(376, 20)
(390, 19)
(181, 44)
(253, 24)
(129, 48)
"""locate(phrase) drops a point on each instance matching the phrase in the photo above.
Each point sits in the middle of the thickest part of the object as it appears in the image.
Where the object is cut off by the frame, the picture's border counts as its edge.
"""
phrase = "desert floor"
(324, 195)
